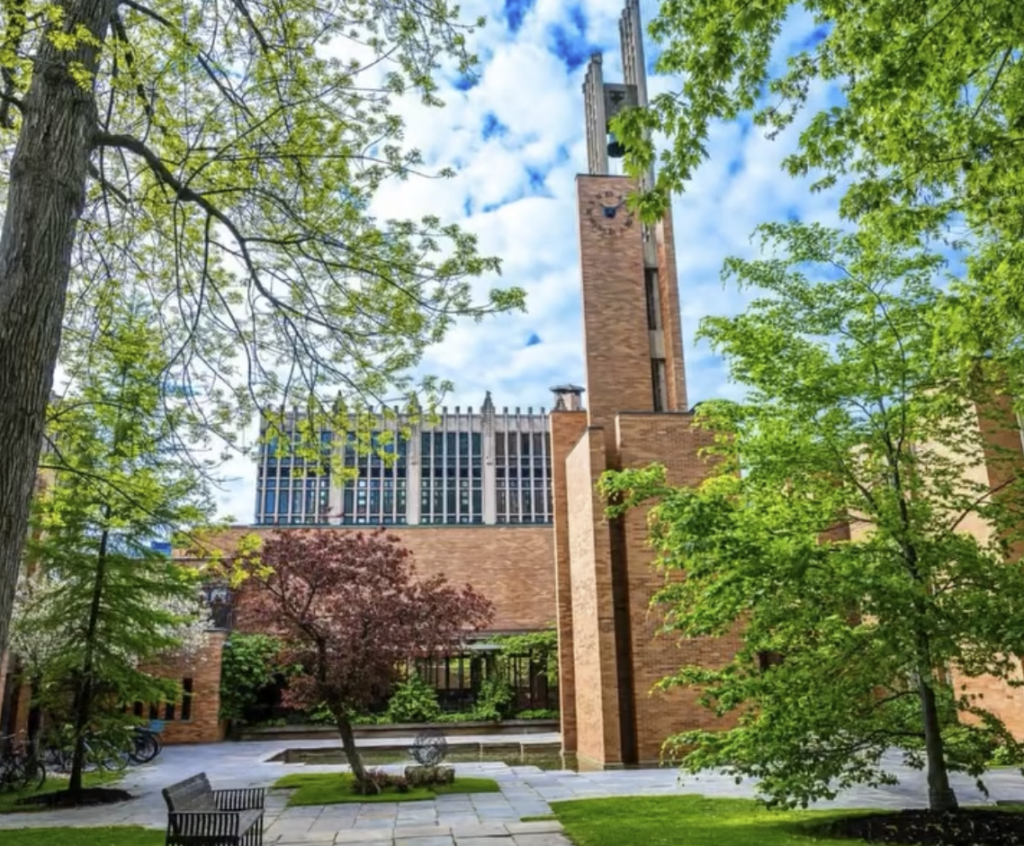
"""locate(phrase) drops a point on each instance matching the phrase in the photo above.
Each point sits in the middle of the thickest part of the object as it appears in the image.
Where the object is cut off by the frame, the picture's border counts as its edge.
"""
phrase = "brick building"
(465, 468)
(506, 501)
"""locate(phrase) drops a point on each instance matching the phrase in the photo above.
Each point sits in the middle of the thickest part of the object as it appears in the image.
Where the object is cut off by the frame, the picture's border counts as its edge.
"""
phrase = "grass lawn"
(8, 801)
(120, 836)
(695, 820)
(332, 788)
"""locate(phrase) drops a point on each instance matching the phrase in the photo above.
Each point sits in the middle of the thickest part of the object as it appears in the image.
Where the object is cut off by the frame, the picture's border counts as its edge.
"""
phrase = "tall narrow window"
(653, 299)
(658, 383)
(186, 699)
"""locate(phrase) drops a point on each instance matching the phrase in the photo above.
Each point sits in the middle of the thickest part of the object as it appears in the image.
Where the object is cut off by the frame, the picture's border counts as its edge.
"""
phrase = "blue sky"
(515, 135)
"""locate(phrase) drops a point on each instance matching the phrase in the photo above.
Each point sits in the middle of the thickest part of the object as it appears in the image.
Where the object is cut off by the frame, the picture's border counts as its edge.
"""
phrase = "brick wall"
(990, 461)
(513, 566)
(995, 695)
(671, 440)
(566, 429)
(1001, 438)
(1003, 449)
(598, 740)
(203, 724)
(14, 699)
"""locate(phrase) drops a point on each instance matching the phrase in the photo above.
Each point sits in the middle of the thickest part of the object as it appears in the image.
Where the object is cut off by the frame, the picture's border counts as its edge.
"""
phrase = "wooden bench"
(198, 815)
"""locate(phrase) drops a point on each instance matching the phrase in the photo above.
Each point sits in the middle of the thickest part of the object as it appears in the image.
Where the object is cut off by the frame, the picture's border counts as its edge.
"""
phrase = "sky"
(515, 135)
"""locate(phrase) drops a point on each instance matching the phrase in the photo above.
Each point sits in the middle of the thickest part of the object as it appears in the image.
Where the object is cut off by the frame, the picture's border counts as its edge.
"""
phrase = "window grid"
(451, 486)
(376, 496)
(297, 490)
(291, 491)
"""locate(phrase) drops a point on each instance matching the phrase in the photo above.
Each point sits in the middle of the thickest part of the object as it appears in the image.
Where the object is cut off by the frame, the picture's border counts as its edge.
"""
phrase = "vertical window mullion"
(444, 468)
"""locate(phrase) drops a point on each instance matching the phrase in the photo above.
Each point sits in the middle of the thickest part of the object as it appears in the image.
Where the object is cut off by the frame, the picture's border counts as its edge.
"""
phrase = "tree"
(226, 156)
(927, 135)
(832, 528)
(351, 613)
(97, 601)
(929, 127)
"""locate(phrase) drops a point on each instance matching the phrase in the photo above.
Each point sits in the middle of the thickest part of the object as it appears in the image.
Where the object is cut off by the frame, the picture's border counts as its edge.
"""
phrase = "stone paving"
(486, 819)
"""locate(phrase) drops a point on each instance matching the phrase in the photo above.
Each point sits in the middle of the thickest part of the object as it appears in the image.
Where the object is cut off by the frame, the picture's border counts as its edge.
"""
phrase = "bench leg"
(254, 836)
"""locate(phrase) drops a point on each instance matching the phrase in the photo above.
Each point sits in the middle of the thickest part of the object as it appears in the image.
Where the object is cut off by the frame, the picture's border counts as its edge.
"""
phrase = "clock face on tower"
(608, 214)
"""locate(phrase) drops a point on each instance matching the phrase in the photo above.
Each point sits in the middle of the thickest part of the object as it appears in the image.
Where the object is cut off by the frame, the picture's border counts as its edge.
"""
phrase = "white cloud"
(530, 91)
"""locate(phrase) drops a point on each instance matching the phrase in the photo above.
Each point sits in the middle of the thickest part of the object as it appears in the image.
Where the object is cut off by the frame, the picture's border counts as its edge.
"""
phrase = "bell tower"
(632, 332)
(637, 413)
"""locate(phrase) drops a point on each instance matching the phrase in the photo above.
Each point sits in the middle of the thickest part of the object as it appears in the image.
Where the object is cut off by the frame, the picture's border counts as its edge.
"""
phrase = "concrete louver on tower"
(568, 397)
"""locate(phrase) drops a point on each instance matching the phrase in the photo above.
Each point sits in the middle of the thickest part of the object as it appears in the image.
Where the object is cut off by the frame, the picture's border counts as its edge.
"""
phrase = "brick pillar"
(24, 708)
(671, 440)
(566, 429)
(671, 319)
(616, 344)
(596, 668)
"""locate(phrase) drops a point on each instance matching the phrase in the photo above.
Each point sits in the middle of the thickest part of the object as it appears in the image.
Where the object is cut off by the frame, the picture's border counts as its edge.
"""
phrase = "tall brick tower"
(637, 413)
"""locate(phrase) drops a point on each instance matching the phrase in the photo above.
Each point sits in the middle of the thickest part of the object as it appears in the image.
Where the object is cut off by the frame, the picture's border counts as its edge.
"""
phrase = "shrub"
(538, 714)
(458, 717)
(248, 666)
(495, 700)
(413, 701)
(541, 646)
(321, 716)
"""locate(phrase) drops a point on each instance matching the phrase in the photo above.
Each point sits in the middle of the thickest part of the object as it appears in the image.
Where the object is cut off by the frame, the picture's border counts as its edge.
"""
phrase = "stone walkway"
(485, 819)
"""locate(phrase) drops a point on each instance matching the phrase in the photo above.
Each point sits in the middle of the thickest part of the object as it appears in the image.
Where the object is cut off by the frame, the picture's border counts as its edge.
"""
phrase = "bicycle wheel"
(33, 774)
(112, 759)
(7, 781)
(54, 758)
(145, 748)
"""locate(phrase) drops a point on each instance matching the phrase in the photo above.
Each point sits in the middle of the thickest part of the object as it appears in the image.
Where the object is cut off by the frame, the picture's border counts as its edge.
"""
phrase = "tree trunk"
(348, 743)
(45, 198)
(84, 689)
(940, 795)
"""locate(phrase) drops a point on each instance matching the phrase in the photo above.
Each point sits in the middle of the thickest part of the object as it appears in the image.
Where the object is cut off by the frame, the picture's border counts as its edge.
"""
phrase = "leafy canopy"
(925, 132)
(832, 530)
(96, 601)
(237, 153)
(929, 124)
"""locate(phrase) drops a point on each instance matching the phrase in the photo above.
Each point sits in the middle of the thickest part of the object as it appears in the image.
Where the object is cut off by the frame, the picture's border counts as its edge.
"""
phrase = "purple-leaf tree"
(352, 613)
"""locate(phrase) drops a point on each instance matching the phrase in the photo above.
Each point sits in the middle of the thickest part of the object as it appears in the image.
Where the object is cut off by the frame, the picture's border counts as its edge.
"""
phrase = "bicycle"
(146, 744)
(101, 753)
(20, 767)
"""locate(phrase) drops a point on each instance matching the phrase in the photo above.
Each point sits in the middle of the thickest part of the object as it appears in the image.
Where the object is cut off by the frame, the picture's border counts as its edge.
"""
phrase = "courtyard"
(520, 814)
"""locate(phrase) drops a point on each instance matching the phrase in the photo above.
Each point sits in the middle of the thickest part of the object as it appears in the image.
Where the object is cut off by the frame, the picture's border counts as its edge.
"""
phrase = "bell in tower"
(604, 100)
